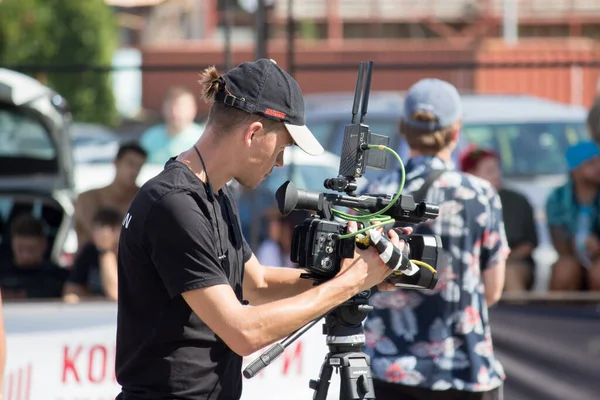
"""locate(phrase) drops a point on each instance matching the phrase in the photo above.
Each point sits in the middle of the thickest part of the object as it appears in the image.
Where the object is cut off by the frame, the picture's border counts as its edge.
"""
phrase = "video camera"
(321, 242)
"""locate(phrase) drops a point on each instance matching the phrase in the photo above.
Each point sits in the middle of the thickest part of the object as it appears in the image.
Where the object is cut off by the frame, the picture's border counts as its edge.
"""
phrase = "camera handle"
(345, 338)
(276, 350)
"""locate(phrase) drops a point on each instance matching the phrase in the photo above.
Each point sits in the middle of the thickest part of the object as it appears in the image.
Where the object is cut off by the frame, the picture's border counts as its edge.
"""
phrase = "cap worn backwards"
(437, 97)
(581, 152)
(261, 87)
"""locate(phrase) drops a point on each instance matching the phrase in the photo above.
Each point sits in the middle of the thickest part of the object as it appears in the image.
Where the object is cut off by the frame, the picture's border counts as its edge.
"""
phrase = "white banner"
(54, 361)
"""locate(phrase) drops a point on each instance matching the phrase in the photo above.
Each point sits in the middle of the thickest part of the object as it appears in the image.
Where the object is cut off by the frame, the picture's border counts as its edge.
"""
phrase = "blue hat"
(437, 97)
(581, 152)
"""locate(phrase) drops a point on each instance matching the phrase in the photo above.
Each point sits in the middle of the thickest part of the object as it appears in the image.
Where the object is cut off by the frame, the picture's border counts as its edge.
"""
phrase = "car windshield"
(23, 136)
(517, 143)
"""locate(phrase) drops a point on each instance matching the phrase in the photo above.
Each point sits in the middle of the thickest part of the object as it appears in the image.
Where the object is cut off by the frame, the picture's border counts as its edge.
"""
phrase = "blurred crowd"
(572, 215)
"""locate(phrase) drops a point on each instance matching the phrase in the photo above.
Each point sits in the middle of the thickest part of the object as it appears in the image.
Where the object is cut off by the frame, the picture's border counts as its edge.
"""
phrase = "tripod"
(345, 339)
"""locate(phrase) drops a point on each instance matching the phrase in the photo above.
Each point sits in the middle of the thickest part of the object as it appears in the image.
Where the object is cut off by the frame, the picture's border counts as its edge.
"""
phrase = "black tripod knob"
(313, 384)
(363, 383)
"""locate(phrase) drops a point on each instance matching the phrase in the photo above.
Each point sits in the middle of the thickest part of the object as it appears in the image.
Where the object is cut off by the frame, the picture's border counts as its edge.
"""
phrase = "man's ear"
(251, 131)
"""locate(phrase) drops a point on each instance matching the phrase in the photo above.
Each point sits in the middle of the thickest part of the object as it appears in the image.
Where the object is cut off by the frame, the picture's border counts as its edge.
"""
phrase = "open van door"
(36, 159)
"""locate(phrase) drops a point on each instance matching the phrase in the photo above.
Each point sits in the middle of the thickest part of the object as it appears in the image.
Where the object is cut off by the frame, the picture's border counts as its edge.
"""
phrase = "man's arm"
(182, 247)
(108, 274)
(76, 285)
(248, 329)
(84, 209)
(266, 284)
(561, 241)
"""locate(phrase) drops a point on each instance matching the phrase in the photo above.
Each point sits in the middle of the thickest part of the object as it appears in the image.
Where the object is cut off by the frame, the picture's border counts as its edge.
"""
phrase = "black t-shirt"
(86, 270)
(518, 219)
(170, 244)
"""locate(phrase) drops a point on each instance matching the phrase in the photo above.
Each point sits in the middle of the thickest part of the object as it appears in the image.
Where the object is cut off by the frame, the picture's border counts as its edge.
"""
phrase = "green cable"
(376, 216)
(368, 228)
(367, 217)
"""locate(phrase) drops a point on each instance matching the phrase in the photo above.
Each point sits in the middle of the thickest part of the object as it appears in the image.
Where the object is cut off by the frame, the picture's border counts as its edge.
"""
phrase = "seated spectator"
(276, 250)
(574, 221)
(118, 195)
(519, 222)
(178, 133)
(593, 120)
(29, 275)
(94, 272)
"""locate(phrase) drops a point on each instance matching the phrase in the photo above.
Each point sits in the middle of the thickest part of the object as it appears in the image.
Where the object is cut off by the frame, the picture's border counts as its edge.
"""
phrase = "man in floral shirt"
(436, 344)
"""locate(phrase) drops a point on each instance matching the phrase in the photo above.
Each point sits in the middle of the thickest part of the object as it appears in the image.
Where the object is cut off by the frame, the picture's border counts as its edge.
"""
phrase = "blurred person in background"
(29, 275)
(593, 120)
(276, 250)
(517, 214)
(2, 347)
(179, 132)
(573, 213)
(94, 272)
(437, 344)
(118, 195)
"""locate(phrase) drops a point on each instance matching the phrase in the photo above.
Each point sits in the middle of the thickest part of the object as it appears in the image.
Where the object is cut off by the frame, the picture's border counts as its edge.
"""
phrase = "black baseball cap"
(262, 87)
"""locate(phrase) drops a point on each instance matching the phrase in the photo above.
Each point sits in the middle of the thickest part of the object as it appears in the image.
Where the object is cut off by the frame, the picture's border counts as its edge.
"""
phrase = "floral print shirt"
(440, 339)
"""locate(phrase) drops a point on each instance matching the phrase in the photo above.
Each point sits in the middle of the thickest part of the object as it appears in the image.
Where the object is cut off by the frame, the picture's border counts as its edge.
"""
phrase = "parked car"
(530, 134)
(93, 143)
(36, 163)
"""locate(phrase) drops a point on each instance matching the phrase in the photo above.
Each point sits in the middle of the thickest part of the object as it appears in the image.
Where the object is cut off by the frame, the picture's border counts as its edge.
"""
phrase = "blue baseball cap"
(435, 96)
(581, 152)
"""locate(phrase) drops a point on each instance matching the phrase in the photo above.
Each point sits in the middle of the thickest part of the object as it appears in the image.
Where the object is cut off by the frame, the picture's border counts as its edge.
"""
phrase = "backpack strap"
(421, 194)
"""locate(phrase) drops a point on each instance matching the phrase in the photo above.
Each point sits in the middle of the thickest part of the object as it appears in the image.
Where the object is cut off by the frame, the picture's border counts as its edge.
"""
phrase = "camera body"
(315, 247)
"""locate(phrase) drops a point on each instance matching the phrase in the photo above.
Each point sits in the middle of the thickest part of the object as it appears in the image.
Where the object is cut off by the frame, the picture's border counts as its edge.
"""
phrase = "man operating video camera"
(185, 270)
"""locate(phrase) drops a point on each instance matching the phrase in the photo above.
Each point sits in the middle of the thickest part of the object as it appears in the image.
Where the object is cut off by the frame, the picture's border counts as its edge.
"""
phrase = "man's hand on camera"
(399, 243)
(366, 267)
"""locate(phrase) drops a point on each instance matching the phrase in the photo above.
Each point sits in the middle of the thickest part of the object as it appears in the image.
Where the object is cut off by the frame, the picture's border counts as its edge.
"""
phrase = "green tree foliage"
(64, 33)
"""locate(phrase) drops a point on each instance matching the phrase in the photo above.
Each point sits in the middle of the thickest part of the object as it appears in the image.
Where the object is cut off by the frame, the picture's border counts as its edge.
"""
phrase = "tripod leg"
(321, 385)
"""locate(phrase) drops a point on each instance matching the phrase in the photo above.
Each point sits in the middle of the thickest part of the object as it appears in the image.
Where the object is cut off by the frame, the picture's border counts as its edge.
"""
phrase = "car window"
(516, 143)
(307, 177)
(322, 130)
(22, 135)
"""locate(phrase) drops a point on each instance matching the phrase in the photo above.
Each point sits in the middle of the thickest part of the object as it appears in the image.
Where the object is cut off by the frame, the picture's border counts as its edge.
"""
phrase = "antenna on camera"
(367, 92)
(356, 155)
(357, 91)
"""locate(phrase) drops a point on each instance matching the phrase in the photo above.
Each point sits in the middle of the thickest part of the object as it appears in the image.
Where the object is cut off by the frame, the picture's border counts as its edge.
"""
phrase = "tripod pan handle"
(264, 360)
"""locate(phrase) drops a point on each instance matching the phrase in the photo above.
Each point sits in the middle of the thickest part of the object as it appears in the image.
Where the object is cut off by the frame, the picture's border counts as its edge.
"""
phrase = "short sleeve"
(247, 251)
(181, 245)
(494, 245)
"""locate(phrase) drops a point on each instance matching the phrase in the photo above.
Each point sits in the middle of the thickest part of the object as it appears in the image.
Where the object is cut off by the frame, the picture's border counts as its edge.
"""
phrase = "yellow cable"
(420, 263)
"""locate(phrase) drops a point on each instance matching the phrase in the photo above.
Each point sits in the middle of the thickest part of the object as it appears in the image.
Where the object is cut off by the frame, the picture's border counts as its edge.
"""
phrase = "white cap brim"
(304, 139)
